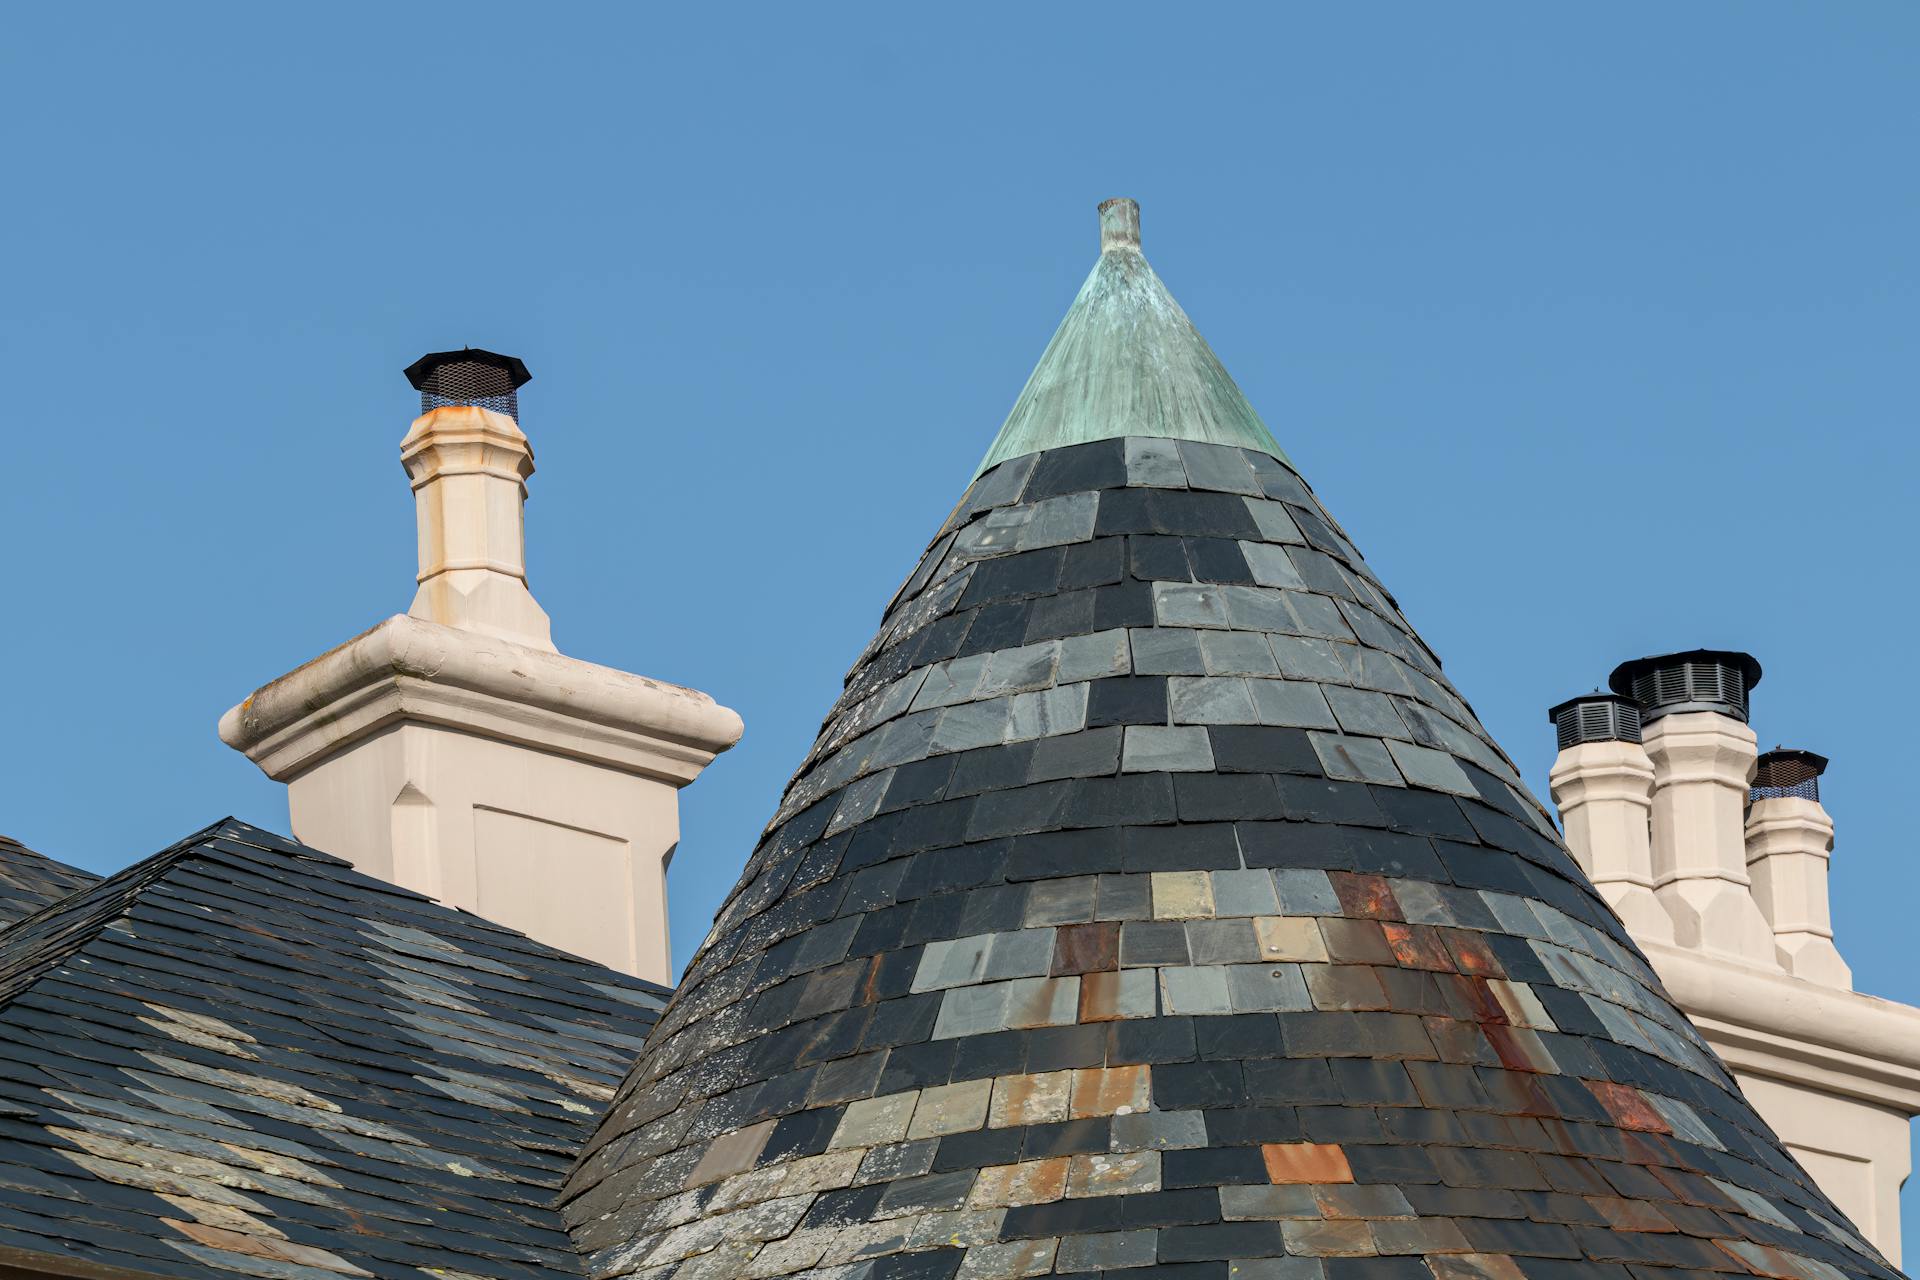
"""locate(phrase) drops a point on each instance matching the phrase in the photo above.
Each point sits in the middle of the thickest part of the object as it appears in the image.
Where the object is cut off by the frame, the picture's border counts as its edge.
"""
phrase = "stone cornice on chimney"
(407, 668)
(1774, 1024)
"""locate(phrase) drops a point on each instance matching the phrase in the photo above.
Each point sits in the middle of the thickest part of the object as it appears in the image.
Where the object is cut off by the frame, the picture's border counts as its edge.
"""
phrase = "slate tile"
(1164, 749)
(1289, 703)
(1127, 700)
(1258, 749)
(1098, 563)
(1218, 560)
(1153, 557)
(1166, 651)
(1154, 463)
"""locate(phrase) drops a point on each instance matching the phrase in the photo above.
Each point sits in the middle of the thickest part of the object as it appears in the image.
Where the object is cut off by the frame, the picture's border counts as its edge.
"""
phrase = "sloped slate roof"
(1151, 900)
(29, 880)
(241, 1056)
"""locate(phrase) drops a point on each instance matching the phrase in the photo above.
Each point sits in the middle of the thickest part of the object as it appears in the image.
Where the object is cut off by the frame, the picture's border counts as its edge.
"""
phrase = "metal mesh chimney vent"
(1596, 717)
(1698, 680)
(1787, 773)
(469, 376)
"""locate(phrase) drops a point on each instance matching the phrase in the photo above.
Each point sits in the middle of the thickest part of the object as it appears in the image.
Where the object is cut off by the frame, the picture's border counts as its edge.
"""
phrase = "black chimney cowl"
(469, 376)
(1779, 773)
(1715, 680)
(1596, 717)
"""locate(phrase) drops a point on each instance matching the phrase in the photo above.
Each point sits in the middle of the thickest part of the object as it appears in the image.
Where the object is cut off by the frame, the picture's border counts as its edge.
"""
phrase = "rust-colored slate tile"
(1087, 948)
(1356, 942)
(1306, 1162)
(1475, 1266)
(1365, 897)
(1418, 946)
(1629, 1109)
(1631, 1215)
(1471, 954)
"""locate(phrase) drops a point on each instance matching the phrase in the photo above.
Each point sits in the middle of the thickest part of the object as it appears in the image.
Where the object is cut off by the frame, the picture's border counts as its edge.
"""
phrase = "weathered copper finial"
(1119, 224)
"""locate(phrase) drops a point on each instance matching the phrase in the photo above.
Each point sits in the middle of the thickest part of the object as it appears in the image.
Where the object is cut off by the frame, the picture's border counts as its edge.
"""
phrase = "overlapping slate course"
(29, 881)
(1150, 900)
(243, 1057)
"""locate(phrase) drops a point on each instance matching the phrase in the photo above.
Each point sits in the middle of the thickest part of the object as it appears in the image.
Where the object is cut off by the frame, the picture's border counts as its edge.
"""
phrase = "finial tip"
(1119, 224)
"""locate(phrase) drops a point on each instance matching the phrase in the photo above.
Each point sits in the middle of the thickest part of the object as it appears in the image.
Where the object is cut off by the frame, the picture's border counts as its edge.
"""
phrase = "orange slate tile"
(1306, 1162)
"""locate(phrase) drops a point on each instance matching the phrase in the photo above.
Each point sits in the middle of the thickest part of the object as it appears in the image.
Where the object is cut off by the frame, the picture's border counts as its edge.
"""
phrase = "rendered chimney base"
(453, 751)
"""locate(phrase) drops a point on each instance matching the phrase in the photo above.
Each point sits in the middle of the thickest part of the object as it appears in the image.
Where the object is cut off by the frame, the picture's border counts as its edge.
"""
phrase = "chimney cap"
(420, 372)
(1694, 680)
(1595, 717)
(1782, 772)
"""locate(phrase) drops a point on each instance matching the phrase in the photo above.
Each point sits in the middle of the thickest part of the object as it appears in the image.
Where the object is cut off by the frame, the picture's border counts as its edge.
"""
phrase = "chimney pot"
(469, 376)
(1716, 680)
(1595, 717)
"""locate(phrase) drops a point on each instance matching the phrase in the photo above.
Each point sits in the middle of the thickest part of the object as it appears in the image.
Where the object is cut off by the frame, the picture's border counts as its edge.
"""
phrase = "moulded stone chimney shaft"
(1789, 842)
(1693, 709)
(469, 462)
(1602, 782)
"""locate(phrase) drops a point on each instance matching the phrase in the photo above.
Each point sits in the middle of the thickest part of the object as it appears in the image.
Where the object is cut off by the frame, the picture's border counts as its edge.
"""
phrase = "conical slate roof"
(1151, 900)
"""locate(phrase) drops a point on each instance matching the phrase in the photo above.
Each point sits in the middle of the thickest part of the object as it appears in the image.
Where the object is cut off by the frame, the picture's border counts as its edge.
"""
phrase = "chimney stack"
(1693, 711)
(453, 750)
(1602, 782)
(1789, 842)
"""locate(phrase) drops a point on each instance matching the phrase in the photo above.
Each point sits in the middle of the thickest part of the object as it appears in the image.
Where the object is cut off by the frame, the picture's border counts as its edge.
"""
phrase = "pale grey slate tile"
(1058, 521)
(1318, 616)
(953, 963)
(1164, 749)
(1355, 759)
(1048, 712)
(975, 724)
(1018, 670)
(1210, 700)
(1217, 467)
(1187, 604)
(1270, 565)
(1244, 893)
(1094, 657)
(951, 683)
(1236, 653)
(1363, 711)
(1273, 521)
(1267, 988)
(972, 1011)
(1025, 953)
(1166, 651)
(1425, 767)
(1258, 609)
(860, 801)
(907, 739)
(1223, 941)
(1306, 892)
(1309, 658)
(1290, 704)
(998, 534)
(1154, 463)
(1195, 989)
(1158, 1130)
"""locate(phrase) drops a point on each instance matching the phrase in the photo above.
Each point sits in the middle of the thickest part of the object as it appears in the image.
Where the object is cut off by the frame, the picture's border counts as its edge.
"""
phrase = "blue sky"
(1596, 327)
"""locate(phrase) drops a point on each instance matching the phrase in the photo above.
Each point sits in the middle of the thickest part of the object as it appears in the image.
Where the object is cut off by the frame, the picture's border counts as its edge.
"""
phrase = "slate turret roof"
(29, 881)
(1150, 900)
(242, 1057)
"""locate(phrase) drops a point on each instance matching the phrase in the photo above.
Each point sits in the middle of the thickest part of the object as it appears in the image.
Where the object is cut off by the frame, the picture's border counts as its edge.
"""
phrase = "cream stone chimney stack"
(453, 750)
(1693, 709)
(1789, 839)
(1603, 783)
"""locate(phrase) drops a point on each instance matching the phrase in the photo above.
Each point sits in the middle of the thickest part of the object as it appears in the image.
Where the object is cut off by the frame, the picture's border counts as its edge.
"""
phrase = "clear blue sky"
(1596, 326)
